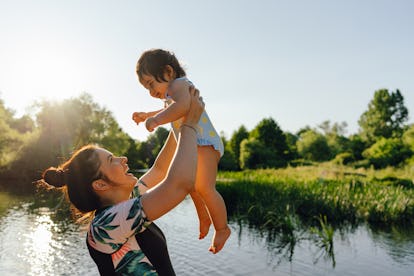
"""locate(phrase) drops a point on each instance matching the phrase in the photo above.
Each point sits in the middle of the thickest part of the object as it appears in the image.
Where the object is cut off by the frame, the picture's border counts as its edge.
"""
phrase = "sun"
(47, 75)
(41, 73)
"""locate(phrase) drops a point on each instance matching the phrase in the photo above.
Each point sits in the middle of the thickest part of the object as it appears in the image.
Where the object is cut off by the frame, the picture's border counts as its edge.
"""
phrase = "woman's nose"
(124, 159)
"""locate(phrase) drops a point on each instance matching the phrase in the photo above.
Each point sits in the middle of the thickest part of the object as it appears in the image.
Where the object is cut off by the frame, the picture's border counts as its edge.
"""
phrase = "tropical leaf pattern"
(135, 208)
(135, 192)
(131, 264)
(113, 230)
(100, 226)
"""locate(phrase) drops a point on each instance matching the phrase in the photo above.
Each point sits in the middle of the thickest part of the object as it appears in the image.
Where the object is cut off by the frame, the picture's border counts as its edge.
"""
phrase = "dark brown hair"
(154, 61)
(75, 177)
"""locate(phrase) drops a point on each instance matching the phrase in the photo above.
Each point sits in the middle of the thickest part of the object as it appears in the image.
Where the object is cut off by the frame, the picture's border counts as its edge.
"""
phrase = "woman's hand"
(196, 108)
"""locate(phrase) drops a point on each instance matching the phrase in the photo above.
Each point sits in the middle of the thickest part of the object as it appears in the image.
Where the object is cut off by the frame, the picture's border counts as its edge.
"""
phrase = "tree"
(385, 117)
(291, 140)
(356, 146)
(267, 144)
(253, 154)
(75, 122)
(234, 143)
(313, 146)
(134, 159)
(23, 124)
(228, 161)
(63, 127)
(149, 149)
(387, 152)
(408, 137)
(335, 136)
(14, 133)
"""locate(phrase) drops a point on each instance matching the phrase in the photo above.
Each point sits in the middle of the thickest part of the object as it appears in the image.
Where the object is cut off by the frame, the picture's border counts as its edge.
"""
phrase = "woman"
(121, 239)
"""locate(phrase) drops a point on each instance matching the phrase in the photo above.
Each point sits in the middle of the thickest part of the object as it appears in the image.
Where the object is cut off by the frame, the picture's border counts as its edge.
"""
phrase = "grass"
(265, 197)
(308, 203)
(323, 237)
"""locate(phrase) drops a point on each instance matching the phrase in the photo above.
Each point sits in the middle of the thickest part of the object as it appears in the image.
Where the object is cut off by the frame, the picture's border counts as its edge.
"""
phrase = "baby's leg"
(205, 185)
(202, 213)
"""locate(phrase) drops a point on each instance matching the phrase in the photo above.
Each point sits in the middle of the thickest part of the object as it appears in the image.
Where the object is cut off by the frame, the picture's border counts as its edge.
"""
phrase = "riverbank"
(275, 198)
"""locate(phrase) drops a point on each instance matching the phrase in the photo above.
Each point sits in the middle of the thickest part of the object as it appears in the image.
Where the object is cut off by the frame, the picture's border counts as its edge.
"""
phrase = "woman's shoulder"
(114, 224)
(118, 214)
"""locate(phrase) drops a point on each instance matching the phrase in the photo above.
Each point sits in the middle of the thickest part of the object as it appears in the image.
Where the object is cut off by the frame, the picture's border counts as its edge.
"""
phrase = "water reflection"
(34, 242)
(397, 241)
(38, 245)
(281, 246)
(49, 243)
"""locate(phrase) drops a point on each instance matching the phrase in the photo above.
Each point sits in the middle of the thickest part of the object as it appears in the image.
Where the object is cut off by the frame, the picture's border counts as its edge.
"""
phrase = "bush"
(255, 155)
(313, 146)
(344, 158)
(365, 164)
(387, 152)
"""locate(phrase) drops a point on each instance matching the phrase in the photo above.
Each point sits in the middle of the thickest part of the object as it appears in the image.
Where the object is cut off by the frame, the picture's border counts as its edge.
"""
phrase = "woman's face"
(115, 169)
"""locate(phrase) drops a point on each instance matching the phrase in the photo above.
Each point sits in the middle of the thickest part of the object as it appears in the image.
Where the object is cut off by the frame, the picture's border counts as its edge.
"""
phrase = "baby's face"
(156, 89)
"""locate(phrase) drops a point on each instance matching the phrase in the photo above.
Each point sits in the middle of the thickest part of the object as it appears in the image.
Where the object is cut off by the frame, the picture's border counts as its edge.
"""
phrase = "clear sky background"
(298, 62)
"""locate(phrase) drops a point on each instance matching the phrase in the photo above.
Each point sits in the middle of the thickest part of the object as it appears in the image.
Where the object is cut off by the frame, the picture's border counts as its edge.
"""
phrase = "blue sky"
(299, 62)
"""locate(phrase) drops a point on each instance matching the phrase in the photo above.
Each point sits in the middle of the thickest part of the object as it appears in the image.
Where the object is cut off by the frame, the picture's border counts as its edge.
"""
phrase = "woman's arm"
(159, 169)
(181, 174)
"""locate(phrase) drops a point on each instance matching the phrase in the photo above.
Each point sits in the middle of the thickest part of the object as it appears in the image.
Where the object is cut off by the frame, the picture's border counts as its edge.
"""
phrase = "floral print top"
(113, 232)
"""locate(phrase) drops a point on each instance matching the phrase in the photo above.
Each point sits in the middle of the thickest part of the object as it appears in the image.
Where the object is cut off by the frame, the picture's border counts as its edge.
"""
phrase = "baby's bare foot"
(219, 239)
(204, 227)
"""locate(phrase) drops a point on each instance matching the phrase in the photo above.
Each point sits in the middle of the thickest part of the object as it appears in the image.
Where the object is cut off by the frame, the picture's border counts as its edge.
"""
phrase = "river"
(33, 242)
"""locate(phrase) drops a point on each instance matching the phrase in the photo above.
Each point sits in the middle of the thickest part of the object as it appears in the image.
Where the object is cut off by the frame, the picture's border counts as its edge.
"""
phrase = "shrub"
(387, 152)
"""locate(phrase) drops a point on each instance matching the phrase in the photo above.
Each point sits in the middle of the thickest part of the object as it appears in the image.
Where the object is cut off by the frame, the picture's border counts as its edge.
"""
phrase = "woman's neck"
(113, 196)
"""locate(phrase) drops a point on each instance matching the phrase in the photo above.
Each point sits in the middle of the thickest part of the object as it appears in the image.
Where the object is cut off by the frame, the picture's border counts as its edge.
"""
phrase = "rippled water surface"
(32, 242)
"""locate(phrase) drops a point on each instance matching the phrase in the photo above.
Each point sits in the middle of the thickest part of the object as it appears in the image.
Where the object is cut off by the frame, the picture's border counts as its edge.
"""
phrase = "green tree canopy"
(63, 127)
(149, 149)
(356, 146)
(335, 136)
(313, 146)
(253, 154)
(291, 140)
(14, 132)
(75, 122)
(234, 144)
(387, 152)
(408, 137)
(385, 117)
(228, 161)
(266, 142)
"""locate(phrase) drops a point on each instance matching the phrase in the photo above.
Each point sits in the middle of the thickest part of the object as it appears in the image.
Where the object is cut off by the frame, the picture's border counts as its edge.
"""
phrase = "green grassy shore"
(275, 198)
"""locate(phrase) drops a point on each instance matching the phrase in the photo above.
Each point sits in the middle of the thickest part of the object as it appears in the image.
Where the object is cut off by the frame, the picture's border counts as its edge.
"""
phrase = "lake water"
(33, 242)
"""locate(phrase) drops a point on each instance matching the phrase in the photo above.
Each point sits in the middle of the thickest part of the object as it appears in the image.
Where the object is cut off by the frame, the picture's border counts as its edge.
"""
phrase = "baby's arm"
(180, 106)
(139, 117)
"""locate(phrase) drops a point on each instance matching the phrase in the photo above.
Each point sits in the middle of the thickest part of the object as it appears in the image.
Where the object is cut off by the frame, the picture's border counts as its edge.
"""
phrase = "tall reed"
(266, 197)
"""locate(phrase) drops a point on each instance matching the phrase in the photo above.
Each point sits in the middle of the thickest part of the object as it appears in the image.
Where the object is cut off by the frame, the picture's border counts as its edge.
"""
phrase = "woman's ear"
(100, 185)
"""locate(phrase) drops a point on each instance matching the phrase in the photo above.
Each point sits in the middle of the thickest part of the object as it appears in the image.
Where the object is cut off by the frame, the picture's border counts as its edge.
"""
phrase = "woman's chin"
(133, 177)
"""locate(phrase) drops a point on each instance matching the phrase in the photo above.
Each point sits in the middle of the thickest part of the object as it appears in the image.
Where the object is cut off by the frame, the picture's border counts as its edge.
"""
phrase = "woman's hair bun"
(55, 177)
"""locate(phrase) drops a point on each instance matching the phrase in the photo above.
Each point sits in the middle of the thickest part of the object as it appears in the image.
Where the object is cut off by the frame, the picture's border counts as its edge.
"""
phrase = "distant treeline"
(31, 143)
(384, 139)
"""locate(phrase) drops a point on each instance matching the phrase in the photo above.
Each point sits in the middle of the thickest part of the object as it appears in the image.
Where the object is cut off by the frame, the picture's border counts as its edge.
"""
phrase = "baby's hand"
(151, 123)
(139, 117)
